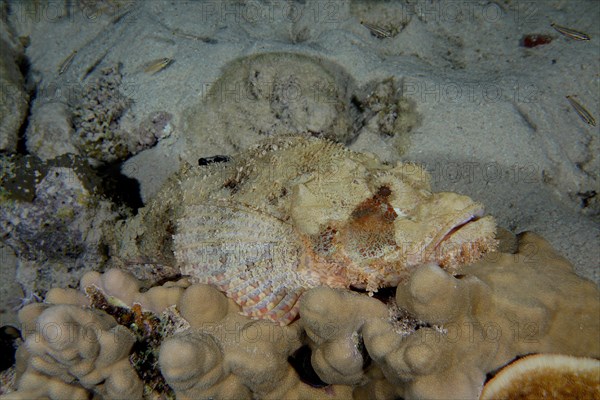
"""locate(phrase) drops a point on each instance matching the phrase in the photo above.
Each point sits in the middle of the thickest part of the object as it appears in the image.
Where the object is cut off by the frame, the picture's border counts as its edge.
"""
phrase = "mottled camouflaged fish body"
(293, 213)
(247, 254)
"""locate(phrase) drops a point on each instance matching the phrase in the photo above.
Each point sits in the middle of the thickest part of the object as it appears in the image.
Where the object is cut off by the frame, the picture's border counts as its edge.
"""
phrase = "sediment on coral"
(272, 94)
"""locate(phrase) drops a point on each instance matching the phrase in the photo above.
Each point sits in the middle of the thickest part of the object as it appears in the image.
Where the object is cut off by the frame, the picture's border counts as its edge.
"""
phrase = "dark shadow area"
(120, 189)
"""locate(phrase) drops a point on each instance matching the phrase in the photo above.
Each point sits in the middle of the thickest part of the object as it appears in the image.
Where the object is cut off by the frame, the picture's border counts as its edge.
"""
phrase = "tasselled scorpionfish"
(295, 212)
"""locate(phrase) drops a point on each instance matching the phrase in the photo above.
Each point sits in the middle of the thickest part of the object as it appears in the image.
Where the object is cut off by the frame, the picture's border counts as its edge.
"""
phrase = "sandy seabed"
(447, 84)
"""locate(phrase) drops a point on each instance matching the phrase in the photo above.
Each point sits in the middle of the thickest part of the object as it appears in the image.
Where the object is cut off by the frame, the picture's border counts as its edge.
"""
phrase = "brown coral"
(501, 307)
(456, 330)
(546, 376)
(207, 349)
(71, 349)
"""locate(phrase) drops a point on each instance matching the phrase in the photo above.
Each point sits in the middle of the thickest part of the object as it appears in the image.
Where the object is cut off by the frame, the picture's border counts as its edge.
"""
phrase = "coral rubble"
(96, 118)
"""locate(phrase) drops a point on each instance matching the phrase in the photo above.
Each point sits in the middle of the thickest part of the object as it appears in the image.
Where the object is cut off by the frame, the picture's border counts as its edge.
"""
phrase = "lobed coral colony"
(301, 270)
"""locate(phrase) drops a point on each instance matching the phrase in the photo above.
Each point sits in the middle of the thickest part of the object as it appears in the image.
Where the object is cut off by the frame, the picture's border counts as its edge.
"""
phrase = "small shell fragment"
(572, 33)
(582, 111)
(158, 65)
